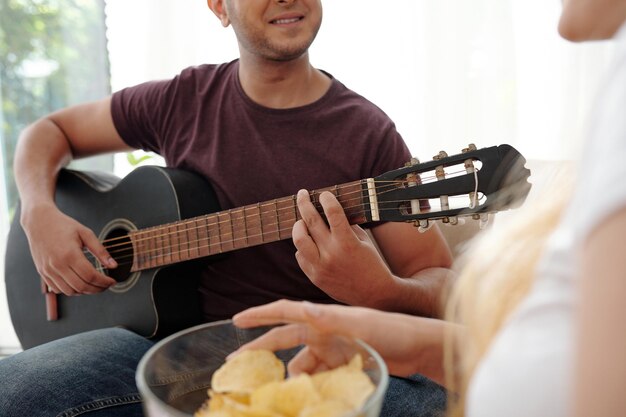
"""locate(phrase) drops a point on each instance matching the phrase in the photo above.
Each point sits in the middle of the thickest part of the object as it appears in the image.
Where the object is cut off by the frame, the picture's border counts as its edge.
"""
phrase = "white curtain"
(448, 72)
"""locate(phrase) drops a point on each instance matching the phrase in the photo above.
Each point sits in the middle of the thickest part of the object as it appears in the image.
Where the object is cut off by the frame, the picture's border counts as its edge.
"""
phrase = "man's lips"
(286, 20)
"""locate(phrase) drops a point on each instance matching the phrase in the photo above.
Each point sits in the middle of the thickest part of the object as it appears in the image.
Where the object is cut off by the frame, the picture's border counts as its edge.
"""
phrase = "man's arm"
(343, 261)
(421, 262)
(57, 241)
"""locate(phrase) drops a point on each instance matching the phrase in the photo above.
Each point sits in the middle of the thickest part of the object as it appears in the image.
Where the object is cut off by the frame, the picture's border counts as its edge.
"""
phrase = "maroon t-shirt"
(202, 121)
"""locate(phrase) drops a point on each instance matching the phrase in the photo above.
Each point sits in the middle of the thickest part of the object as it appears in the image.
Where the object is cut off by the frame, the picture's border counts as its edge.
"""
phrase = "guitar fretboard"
(233, 229)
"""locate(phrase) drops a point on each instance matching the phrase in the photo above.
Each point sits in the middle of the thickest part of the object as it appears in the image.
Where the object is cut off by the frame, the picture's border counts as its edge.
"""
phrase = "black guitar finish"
(151, 302)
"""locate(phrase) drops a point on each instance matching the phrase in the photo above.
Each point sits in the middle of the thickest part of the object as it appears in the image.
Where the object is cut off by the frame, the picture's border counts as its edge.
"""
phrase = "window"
(52, 55)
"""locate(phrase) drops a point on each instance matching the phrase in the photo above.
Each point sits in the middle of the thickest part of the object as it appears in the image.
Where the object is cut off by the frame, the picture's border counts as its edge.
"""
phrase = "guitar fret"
(258, 206)
(201, 243)
(137, 248)
(355, 206)
(175, 243)
(154, 249)
(213, 231)
(277, 219)
(239, 233)
(145, 254)
(167, 246)
(194, 240)
(147, 249)
(245, 227)
(226, 231)
(180, 242)
(253, 225)
(296, 212)
(158, 243)
(186, 240)
(268, 213)
(286, 216)
(206, 245)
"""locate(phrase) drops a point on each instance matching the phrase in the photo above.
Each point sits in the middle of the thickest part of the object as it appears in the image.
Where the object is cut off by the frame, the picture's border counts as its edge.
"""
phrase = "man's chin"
(288, 57)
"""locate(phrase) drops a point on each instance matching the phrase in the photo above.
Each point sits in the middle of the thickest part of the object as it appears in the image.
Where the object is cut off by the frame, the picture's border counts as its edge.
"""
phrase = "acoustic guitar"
(160, 247)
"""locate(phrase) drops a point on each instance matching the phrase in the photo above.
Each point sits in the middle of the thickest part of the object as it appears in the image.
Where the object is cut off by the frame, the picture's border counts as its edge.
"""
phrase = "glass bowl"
(174, 375)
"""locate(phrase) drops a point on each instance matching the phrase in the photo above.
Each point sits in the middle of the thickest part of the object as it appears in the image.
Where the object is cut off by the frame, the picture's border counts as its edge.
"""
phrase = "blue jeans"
(89, 374)
(415, 396)
(93, 375)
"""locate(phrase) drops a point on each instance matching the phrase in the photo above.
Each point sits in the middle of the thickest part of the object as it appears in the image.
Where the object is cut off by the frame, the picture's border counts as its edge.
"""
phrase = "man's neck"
(282, 84)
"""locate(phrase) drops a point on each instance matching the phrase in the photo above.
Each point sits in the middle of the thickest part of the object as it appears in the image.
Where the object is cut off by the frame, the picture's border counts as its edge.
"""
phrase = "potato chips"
(253, 384)
(248, 371)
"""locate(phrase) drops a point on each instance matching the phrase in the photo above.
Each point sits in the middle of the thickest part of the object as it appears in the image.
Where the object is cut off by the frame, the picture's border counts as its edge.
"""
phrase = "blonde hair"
(496, 272)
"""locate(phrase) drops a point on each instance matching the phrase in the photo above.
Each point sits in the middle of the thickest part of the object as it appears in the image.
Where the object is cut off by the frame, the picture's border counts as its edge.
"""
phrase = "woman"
(538, 326)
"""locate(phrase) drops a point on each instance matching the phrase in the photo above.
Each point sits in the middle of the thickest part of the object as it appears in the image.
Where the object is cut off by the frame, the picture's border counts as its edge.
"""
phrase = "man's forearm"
(41, 151)
(422, 294)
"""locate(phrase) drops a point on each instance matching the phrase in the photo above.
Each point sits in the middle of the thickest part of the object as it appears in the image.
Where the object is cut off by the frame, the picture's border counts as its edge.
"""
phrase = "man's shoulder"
(206, 72)
(355, 102)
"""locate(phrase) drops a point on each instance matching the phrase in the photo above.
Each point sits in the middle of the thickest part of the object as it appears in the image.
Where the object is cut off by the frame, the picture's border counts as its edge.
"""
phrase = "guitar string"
(224, 246)
(277, 210)
(232, 228)
(126, 246)
(240, 212)
(244, 216)
(229, 244)
(273, 204)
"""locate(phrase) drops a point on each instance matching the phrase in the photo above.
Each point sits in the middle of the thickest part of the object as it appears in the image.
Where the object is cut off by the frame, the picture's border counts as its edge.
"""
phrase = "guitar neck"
(237, 228)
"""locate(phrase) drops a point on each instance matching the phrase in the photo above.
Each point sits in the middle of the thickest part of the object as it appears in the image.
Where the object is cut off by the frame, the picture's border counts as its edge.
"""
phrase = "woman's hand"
(408, 344)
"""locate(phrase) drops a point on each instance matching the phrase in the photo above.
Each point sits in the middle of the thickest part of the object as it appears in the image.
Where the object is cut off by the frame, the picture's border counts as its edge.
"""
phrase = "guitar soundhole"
(121, 249)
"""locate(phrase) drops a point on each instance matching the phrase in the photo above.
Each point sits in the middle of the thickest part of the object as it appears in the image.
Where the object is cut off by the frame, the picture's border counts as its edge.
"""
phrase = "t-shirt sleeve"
(140, 112)
(392, 152)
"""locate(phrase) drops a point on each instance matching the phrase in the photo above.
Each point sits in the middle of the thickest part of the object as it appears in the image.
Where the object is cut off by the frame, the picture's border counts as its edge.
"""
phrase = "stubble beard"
(261, 46)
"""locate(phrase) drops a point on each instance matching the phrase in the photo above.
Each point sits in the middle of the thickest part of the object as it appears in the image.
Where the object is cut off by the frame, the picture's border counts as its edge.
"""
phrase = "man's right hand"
(59, 245)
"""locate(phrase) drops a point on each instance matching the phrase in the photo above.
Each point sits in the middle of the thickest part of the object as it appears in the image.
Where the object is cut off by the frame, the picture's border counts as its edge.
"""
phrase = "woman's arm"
(408, 344)
(600, 375)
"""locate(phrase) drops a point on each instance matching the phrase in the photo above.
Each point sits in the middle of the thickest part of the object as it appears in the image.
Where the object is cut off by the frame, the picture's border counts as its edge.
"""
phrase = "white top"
(528, 369)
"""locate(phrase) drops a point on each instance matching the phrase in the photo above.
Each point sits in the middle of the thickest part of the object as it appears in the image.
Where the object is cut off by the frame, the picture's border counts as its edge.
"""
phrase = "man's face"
(279, 30)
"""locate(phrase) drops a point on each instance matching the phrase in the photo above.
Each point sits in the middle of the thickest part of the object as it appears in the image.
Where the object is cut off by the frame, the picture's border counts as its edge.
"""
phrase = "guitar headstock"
(473, 183)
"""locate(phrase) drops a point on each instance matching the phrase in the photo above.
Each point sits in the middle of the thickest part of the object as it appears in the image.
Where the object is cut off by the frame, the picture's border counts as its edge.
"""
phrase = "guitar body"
(151, 302)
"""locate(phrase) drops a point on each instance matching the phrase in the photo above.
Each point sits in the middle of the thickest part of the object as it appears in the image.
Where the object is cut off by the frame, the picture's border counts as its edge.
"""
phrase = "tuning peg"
(413, 161)
(483, 220)
(470, 147)
(453, 221)
(423, 225)
(440, 155)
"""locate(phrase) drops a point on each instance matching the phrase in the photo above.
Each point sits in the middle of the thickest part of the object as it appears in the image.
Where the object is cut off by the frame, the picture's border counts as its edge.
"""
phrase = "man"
(257, 128)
